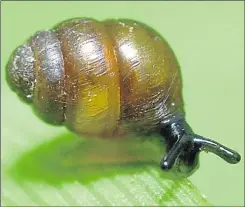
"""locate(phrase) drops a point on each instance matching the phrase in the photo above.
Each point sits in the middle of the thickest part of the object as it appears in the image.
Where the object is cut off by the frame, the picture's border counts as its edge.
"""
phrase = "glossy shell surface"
(99, 78)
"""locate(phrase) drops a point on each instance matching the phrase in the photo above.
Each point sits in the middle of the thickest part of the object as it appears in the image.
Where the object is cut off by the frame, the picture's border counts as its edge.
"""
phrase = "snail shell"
(98, 78)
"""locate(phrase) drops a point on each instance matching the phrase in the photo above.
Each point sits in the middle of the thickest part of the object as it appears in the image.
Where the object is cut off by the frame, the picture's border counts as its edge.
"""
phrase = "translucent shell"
(99, 78)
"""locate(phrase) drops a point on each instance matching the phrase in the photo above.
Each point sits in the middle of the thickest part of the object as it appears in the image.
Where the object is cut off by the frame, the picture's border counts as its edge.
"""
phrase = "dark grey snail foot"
(183, 148)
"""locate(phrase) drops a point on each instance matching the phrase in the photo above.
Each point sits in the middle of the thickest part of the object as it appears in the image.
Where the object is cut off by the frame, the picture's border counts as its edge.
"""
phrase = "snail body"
(107, 79)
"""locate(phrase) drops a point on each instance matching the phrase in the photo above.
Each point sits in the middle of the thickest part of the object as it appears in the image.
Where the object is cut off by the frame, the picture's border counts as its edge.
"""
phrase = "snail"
(108, 79)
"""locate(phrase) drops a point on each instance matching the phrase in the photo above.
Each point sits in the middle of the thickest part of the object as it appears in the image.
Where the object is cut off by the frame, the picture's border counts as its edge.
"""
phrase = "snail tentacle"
(183, 146)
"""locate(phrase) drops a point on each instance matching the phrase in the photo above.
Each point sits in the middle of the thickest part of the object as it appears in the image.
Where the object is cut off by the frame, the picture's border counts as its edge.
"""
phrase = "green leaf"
(145, 188)
(70, 171)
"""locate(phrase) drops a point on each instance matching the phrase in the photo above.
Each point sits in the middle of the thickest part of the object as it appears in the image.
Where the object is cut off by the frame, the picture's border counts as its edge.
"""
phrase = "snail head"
(184, 146)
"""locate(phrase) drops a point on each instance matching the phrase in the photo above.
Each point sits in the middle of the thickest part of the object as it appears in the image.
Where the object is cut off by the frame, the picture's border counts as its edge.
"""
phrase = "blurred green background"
(208, 39)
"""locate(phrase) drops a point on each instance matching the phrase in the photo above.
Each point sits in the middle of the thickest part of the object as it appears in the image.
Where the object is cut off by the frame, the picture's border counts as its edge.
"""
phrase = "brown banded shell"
(98, 78)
